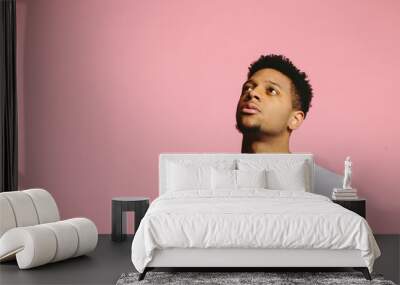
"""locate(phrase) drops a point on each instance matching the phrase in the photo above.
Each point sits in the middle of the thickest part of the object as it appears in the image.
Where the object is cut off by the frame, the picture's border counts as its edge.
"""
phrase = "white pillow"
(223, 179)
(292, 179)
(188, 177)
(237, 179)
(288, 174)
(252, 178)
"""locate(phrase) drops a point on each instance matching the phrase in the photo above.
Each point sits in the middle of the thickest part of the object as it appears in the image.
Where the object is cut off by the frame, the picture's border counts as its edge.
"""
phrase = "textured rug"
(225, 278)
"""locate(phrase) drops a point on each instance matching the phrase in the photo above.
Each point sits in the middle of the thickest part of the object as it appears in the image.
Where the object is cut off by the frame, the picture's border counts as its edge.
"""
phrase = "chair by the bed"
(31, 231)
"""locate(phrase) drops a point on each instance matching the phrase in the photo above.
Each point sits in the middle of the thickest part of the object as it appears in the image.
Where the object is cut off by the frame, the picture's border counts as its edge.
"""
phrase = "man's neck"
(252, 144)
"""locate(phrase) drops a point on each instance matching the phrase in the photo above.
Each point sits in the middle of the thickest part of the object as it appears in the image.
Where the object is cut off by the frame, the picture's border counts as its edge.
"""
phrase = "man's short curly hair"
(303, 91)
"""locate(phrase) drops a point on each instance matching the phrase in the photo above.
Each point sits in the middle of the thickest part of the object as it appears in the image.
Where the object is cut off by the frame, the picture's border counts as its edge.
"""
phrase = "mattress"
(250, 218)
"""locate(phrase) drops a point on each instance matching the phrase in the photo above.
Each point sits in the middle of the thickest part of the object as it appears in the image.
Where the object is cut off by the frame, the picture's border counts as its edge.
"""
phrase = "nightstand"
(121, 205)
(357, 206)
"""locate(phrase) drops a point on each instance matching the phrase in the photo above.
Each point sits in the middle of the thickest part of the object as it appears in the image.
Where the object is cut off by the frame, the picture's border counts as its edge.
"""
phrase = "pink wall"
(105, 86)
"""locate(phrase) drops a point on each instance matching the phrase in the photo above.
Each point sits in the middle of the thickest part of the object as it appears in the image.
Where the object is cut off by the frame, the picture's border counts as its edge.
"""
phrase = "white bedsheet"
(250, 218)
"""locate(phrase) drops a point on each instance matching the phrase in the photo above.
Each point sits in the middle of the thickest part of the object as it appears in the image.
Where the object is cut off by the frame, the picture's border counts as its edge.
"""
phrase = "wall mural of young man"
(273, 103)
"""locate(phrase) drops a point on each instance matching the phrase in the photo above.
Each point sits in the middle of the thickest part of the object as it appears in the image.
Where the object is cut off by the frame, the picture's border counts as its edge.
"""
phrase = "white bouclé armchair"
(31, 231)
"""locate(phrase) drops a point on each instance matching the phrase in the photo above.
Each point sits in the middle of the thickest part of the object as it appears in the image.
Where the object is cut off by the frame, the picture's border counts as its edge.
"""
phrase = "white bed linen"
(250, 218)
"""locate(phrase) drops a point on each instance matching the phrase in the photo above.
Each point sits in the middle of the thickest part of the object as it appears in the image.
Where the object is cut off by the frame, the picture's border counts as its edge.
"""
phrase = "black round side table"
(121, 205)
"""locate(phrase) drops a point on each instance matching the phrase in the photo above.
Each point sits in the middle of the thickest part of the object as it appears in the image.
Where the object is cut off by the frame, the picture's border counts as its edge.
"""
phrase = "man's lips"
(250, 108)
(249, 111)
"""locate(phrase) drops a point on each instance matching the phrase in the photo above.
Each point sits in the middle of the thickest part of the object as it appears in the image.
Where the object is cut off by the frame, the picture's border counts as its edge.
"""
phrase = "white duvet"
(250, 218)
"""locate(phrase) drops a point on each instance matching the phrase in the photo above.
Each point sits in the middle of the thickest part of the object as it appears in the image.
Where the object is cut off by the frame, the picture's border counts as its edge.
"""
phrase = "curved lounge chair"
(31, 231)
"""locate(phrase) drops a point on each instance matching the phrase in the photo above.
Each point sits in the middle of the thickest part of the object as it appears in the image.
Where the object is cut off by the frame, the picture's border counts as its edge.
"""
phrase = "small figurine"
(347, 174)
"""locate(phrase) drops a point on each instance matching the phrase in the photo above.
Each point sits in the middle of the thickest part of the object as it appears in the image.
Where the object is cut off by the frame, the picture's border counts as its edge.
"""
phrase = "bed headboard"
(164, 157)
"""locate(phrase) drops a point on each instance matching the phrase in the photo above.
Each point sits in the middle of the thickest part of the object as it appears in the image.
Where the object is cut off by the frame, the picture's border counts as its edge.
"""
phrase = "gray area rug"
(225, 278)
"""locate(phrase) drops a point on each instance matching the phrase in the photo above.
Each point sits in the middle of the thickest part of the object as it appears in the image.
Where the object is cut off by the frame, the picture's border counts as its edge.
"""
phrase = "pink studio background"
(105, 86)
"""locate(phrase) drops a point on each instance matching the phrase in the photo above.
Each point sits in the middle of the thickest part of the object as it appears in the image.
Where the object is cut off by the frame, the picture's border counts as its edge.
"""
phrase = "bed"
(247, 210)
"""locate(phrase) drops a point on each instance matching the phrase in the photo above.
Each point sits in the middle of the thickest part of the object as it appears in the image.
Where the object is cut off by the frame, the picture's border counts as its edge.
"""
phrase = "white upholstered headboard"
(164, 157)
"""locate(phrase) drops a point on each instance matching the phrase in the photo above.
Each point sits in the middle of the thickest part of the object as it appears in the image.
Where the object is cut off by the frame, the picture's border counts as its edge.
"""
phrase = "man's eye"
(246, 88)
(272, 91)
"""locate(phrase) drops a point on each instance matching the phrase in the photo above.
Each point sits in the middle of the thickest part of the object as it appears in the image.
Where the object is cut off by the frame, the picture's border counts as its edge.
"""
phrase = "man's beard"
(245, 130)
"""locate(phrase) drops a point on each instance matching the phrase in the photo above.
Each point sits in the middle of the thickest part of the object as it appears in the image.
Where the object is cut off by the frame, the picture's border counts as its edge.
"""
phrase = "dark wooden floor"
(111, 259)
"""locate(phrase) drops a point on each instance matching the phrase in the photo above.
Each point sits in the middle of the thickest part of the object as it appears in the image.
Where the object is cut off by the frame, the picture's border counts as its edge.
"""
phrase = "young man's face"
(269, 106)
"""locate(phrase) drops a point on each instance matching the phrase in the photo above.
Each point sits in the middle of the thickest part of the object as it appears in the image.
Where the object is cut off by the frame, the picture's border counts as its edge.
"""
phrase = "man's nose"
(252, 93)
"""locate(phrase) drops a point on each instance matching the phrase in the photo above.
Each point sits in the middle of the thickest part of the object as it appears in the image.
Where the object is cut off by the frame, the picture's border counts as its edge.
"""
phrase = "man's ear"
(295, 120)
